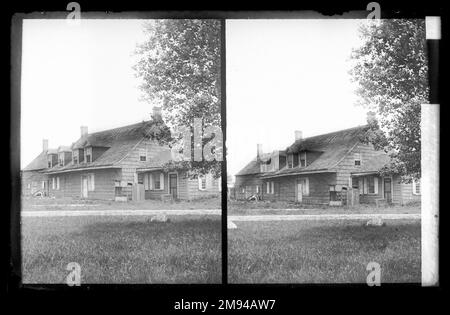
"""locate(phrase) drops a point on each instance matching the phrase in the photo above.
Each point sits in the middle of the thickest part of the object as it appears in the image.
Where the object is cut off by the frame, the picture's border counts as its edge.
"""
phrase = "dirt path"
(74, 213)
(268, 217)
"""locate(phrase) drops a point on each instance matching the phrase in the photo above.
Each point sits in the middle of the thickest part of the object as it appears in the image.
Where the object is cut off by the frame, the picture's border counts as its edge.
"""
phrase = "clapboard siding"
(70, 184)
(345, 167)
(285, 188)
(34, 180)
(193, 191)
(247, 183)
(407, 193)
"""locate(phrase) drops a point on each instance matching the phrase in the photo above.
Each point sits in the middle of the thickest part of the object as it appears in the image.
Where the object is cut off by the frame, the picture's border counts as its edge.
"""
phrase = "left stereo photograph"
(121, 151)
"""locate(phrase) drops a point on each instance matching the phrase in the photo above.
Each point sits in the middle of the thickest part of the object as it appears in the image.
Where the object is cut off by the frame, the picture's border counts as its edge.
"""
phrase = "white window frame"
(357, 158)
(414, 187)
(61, 159)
(75, 155)
(142, 153)
(300, 160)
(375, 185)
(146, 181)
(290, 157)
(88, 151)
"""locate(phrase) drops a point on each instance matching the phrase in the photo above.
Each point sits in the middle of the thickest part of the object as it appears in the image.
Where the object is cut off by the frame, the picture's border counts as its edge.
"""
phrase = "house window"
(142, 155)
(358, 159)
(75, 157)
(61, 159)
(416, 187)
(91, 182)
(49, 164)
(202, 182)
(270, 187)
(295, 158)
(88, 154)
(303, 160)
(156, 181)
(369, 185)
(290, 159)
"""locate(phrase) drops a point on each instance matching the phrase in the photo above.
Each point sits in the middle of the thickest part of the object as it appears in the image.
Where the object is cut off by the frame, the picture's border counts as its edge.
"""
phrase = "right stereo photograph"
(324, 133)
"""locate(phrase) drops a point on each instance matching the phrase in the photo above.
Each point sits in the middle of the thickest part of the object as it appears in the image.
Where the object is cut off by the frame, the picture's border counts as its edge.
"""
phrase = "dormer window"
(61, 159)
(88, 154)
(358, 159)
(75, 156)
(295, 159)
(142, 155)
(290, 160)
(302, 158)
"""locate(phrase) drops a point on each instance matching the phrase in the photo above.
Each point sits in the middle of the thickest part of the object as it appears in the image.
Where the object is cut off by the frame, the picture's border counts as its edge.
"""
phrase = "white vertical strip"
(430, 193)
(433, 27)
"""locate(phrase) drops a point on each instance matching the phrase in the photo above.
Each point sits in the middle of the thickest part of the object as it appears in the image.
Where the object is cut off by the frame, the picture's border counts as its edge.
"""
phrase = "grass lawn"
(122, 249)
(323, 252)
(266, 207)
(30, 204)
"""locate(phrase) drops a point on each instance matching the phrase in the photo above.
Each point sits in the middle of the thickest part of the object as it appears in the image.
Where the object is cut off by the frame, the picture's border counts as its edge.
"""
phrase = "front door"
(299, 192)
(173, 185)
(84, 186)
(387, 190)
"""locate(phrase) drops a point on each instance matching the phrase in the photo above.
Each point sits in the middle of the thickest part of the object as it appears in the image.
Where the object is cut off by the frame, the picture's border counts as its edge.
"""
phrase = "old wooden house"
(336, 168)
(117, 164)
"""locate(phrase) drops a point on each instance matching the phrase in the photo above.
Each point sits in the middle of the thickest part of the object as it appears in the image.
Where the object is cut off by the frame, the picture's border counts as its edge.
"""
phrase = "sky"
(282, 76)
(74, 75)
(287, 75)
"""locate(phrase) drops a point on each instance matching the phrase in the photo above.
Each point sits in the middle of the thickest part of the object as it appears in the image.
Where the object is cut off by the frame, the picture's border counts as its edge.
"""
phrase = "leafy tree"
(390, 69)
(179, 65)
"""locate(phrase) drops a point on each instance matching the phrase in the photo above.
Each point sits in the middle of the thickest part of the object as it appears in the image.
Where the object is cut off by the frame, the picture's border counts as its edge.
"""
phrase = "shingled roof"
(119, 141)
(254, 166)
(334, 147)
(39, 163)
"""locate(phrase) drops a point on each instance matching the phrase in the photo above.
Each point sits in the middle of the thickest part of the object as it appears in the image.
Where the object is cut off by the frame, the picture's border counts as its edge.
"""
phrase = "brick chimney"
(157, 112)
(298, 135)
(258, 151)
(44, 145)
(84, 130)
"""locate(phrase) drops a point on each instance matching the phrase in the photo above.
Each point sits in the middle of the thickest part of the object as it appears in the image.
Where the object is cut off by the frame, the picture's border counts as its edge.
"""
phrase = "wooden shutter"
(146, 186)
(273, 187)
(365, 186)
(375, 182)
(307, 186)
(151, 181)
(161, 181)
